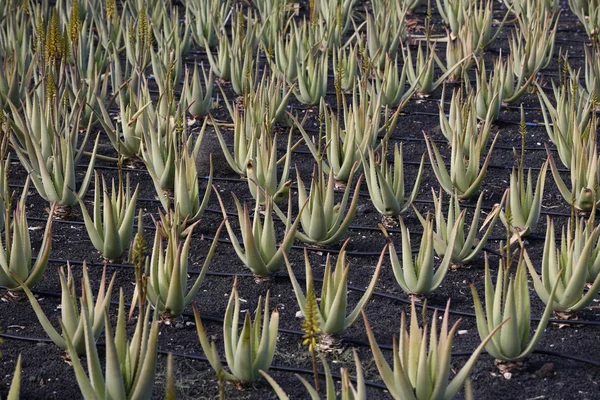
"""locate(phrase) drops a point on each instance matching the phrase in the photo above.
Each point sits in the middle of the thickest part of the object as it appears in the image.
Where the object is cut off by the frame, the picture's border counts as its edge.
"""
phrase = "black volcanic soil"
(47, 376)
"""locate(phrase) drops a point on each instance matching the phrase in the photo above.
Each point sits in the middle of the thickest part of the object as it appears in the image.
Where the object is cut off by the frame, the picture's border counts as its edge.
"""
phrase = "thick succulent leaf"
(15, 385)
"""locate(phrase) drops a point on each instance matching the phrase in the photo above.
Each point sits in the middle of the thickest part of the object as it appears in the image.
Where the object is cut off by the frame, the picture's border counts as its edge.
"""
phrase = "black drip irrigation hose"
(303, 278)
(203, 359)
(544, 352)
(307, 371)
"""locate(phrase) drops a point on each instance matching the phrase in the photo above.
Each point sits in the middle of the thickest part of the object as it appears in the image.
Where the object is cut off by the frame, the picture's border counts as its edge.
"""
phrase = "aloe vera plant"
(459, 54)
(125, 137)
(333, 313)
(466, 245)
(198, 93)
(15, 250)
(531, 49)
(384, 33)
(509, 300)
(490, 92)
(417, 276)
(286, 51)
(466, 174)
(592, 71)
(570, 265)
(260, 252)
(343, 146)
(261, 169)
(588, 13)
(51, 159)
(243, 137)
(244, 73)
(312, 78)
(72, 318)
(584, 173)
(420, 71)
(421, 371)
(167, 270)
(323, 220)
(13, 85)
(524, 206)
(209, 16)
(528, 10)
(267, 102)
(130, 365)
(247, 352)
(479, 22)
(391, 84)
(112, 225)
(385, 182)
(462, 121)
(349, 391)
(186, 194)
(166, 143)
(568, 118)
(221, 62)
(454, 13)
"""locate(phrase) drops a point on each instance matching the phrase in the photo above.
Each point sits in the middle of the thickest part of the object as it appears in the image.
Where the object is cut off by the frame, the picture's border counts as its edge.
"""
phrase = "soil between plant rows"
(47, 376)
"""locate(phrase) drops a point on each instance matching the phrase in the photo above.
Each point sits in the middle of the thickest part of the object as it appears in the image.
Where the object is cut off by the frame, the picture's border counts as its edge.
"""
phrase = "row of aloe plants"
(52, 95)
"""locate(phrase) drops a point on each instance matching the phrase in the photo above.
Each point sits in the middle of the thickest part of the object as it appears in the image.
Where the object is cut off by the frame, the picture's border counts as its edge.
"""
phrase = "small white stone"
(300, 314)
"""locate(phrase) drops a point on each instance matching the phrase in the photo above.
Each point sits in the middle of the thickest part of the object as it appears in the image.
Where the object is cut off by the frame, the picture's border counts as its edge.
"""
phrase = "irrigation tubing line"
(201, 358)
(545, 352)
(353, 227)
(303, 278)
(307, 371)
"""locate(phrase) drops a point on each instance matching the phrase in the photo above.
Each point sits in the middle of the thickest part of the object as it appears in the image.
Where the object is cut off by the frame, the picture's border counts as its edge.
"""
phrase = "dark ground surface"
(47, 376)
